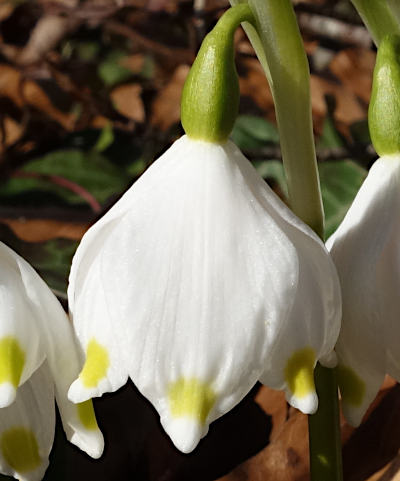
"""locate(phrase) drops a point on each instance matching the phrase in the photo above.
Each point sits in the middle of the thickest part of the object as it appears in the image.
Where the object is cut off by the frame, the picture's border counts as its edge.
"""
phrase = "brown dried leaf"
(48, 31)
(21, 92)
(10, 133)
(354, 68)
(6, 9)
(134, 62)
(274, 404)
(284, 459)
(348, 109)
(166, 108)
(127, 100)
(254, 84)
(40, 230)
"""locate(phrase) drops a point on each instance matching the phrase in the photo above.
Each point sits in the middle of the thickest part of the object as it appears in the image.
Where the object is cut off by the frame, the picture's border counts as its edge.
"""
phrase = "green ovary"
(299, 372)
(12, 360)
(96, 365)
(352, 387)
(20, 449)
(86, 415)
(191, 398)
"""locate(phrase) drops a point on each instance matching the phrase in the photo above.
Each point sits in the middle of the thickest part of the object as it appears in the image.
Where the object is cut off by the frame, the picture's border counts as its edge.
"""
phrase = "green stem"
(378, 17)
(285, 63)
(281, 53)
(324, 429)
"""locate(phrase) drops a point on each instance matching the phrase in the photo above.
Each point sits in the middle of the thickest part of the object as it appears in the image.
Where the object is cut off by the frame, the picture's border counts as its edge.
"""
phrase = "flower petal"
(59, 347)
(205, 274)
(365, 251)
(21, 351)
(27, 428)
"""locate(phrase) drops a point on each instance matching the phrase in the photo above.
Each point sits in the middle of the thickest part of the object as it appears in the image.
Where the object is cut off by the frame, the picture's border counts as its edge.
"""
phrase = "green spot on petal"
(20, 449)
(86, 415)
(352, 387)
(12, 360)
(191, 398)
(299, 372)
(96, 365)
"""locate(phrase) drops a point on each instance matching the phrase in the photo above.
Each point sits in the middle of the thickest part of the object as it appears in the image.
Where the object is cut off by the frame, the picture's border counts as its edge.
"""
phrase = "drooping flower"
(366, 252)
(365, 249)
(200, 281)
(38, 361)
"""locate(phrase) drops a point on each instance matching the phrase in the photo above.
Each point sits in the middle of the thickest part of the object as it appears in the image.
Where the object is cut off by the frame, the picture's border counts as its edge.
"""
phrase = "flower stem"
(324, 429)
(378, 17)
(279, 47)
(283, 58)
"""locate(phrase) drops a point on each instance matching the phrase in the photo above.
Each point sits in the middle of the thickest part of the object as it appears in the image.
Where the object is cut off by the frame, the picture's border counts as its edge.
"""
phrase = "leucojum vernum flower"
(38, 362)
(365, 249)
(200, 281)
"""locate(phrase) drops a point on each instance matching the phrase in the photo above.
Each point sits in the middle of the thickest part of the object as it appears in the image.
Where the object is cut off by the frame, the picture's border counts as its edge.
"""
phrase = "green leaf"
(250, 132)
(330, 137)
(272, 169)
(111, 71)
(51, 259)
(106, 138)
(340, 182)
(90, 170)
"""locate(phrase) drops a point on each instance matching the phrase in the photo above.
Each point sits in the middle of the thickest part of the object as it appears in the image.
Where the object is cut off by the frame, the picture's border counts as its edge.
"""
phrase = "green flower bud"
(210, 99)
(384, 107)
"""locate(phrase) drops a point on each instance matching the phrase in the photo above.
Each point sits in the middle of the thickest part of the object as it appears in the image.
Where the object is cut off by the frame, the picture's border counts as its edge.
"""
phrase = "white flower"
(38, 361)
(198, 283)
(366, 251)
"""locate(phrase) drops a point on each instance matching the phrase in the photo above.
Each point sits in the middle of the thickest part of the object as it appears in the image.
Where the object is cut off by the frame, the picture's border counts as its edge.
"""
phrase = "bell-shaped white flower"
(366, 251)
(198, 283)
(38, 361)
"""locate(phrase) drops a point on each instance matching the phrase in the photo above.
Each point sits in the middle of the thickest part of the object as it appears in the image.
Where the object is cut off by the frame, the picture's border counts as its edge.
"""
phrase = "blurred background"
(89, 98)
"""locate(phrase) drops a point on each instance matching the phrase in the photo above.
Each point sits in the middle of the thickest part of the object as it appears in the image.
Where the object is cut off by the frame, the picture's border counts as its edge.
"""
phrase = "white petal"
(200, 276)
(59, 347)
(21, 351)
(27, 428)
(365, 251)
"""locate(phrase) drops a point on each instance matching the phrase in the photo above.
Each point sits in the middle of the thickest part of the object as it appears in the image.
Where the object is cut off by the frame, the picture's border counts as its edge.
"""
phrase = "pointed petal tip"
(77, 393)
(306, 404)
(329, 360)
(185, 433)
(8, 394)
(92, 442)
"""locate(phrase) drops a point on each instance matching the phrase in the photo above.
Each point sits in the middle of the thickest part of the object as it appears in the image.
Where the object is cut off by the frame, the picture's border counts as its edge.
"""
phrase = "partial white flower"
(38, 361)
(198, 283)
(366, 251)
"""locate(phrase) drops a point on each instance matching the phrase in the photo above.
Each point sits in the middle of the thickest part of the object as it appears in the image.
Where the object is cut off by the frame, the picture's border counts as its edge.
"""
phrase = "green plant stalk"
(281, 53)
(210, 98)
(394, 6)
(379, 17)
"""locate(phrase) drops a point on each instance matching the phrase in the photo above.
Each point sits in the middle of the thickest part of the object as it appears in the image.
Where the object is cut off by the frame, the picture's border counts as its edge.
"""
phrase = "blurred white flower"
(198, 283)
(38, 361)
(366, 251)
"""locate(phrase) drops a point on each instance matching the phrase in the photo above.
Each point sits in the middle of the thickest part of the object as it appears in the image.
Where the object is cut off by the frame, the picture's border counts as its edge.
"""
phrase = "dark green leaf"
(272, 169)
(90, 170)
(340, 182)
(111, 71)
(251, 132)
